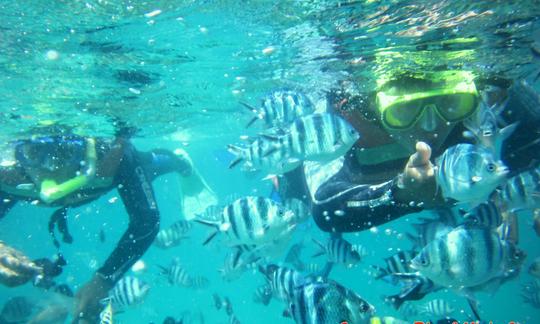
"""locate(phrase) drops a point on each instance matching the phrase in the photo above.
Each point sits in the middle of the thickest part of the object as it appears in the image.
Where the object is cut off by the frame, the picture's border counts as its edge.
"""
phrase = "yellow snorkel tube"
(51, 191)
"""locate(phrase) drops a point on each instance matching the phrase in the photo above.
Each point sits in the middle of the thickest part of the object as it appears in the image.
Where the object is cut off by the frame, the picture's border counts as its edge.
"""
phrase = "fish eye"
(423, 260)
(491, 167)
(364, 308)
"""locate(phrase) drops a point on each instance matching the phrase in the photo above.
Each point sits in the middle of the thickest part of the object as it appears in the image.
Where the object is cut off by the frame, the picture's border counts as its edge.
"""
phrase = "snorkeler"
(69, 171)
(409, 120)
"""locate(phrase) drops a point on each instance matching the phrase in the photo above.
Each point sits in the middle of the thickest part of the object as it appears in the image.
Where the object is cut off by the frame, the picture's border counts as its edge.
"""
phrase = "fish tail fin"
(322, 248)
(208, 223)
(394, 300)
(237, 151)
(379, 272)
(325, 271)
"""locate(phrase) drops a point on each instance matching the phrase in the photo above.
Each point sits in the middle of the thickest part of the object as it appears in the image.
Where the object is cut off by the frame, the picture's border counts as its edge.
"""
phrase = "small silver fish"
(17, 309)
(318, 137)
(466, 257)
(128, 291)
(281, 107)
(437, 308)
(469, 173)
(328, 302)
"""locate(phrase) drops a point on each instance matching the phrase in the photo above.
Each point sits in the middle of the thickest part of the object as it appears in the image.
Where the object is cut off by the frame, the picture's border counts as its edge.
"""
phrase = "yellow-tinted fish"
(106, 316)
(536, 221)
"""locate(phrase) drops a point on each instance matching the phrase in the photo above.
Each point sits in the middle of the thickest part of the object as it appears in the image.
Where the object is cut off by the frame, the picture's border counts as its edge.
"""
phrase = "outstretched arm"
(136, 192)
(343, 206)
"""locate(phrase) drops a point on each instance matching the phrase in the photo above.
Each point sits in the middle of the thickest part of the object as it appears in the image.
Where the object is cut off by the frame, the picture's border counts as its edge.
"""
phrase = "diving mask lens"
(455, 107)
(451, 108)
(403, 115)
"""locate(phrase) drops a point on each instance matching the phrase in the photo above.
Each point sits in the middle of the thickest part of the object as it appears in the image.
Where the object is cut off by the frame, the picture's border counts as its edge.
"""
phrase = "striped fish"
(338, 250)
(534, 268)
(466, 257)
(328, 302)
(237, 261)
(233, 319)
(199, 282)
(282, 280)
(487, 214)
(252, 221)
(437, 308)
(522, 190)
(409, 311)
(264, 155)
(128, 291)
(173, 235)
(177, 275)
(469, 173)
(281, 107)
(106, 315)
(531, 294)
(427, 231)
(414, 286)
(17, 309)
(300, 209)
(317, 137)
(263, 294)
(397, 263)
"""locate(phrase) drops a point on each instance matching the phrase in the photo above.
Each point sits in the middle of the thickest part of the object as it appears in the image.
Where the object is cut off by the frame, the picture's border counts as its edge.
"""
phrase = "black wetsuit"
(345, 204)
(133, 180)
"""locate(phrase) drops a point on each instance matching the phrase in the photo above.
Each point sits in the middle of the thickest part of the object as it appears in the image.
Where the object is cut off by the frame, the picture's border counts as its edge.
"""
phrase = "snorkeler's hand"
(418, 179)
(88, 300)
(15, 267)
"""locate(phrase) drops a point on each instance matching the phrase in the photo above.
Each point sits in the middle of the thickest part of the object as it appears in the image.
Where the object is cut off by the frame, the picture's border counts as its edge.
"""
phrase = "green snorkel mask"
(51, 191)
(453, 96)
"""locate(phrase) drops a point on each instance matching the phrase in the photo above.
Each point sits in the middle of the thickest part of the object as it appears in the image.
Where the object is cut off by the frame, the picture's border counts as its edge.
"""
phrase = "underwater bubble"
(269, 50)
(52, 55)
(152, 13)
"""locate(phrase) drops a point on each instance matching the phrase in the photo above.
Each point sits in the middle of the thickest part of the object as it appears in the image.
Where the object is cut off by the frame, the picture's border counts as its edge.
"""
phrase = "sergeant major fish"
(397, 263)
(17, 309)
(282, 280)
(128, 291)
(522, 190)
(338, 250)
(437, 308)
(316, 137)
(281, 107)
(172, 235)
(469, 173)
(106, 315)
(252, 221)
(328, 302)
(177, 275)
(466, 257)
(262, 154)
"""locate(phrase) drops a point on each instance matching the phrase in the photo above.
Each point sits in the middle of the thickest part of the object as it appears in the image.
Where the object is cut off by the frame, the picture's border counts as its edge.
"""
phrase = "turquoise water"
(178, 76)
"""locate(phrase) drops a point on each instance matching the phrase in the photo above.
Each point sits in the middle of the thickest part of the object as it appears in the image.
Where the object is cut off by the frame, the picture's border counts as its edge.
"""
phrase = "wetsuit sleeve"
(344, 206)
(160, 161)
(134, 186)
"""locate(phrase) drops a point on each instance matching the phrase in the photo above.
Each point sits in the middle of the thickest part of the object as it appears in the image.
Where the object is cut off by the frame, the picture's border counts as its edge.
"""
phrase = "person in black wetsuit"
(389, 173)
(69, 171)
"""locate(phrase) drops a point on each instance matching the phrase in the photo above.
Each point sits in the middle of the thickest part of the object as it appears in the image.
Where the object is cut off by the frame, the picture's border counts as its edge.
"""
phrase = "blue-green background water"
(179, 76)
